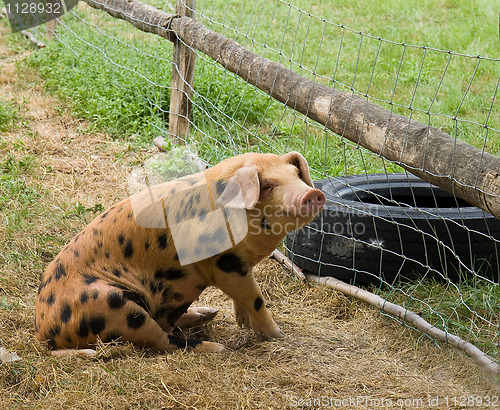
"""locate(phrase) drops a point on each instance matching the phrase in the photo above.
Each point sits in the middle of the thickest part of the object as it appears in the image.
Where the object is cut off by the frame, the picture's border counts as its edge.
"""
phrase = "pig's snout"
(311, 201)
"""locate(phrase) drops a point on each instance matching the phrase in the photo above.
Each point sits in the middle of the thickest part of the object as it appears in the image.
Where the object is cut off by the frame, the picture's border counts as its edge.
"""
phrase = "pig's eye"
(266, 188)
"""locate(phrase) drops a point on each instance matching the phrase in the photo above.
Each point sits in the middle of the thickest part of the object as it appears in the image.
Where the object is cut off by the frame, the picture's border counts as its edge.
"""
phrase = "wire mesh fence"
(412, 243)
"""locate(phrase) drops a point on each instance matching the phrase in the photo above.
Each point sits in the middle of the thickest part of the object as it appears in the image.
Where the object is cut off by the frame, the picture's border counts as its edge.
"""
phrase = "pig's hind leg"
(248, 301)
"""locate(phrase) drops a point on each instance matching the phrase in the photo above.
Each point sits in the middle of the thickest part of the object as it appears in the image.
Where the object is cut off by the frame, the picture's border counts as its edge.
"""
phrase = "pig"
(132, 273)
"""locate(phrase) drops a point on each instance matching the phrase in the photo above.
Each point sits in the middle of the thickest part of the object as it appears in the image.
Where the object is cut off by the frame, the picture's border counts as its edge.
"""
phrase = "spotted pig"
(133, 272)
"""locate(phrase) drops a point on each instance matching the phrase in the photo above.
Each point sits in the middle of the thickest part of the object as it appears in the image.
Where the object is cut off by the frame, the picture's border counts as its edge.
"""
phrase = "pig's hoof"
(211, 347)
(242, 316)
(267, 335)
(243, 320)
(205, 314)
(196, 316)
(75, 352)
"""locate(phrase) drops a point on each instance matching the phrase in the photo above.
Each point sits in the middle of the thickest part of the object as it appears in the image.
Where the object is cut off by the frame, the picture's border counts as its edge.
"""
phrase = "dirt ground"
(337, 353)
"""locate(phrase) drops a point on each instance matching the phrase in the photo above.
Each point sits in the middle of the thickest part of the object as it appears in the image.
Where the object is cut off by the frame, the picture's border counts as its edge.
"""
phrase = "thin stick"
(161, 144)
(26, 33)
(282, 259)
(405, 315)
(409, 317)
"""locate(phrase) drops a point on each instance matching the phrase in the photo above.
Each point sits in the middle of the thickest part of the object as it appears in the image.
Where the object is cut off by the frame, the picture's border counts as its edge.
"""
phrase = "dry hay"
(335, 347)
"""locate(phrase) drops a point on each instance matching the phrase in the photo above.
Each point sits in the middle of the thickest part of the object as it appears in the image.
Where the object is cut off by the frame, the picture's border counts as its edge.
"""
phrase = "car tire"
(383, 227)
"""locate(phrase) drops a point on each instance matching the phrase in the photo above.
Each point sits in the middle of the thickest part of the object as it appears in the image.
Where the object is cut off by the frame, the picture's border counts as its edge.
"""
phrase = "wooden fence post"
(181, 93)
(52, 24)
(51, 28)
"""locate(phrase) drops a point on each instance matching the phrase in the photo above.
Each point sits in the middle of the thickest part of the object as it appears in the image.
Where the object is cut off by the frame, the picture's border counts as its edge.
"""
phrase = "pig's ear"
(300, 162)
(242, 190)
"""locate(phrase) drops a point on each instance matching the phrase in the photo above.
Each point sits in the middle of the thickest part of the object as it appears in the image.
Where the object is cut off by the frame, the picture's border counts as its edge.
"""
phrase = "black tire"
(386, 226)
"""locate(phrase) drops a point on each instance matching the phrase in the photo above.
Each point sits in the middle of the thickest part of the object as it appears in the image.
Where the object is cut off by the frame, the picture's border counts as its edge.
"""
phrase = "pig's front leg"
(248, 303)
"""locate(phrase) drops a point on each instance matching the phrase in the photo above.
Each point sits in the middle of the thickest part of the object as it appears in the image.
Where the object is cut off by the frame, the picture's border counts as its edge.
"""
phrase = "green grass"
(8, 116)
(19, 211)
(330, 48)
(468, 310)
(119, 77)
(17, 197)
(32, 230)
(124, 89)
(345, 59)
(106, 84)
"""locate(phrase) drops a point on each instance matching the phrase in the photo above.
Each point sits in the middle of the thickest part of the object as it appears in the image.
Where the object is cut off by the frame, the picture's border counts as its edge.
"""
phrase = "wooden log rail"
(425, 151)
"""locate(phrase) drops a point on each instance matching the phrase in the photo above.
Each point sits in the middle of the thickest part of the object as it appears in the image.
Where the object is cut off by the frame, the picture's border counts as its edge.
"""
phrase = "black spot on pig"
(60, 271)
(220, 186)
(153, 287)
(170, 274)
(89, 279)
(257, 304)
(43, 284)
(177, 296)
(170, 294)
(136, 319)
(167, 293)
(162, 240)
(135, 297)
(115, 300)
(230, 262)
(128, 249)
(83, 328)
(84, 297)
(65, 312)
(183, 343)
(53, 332)
(51, 299)
(97, 324)
(219, 236)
